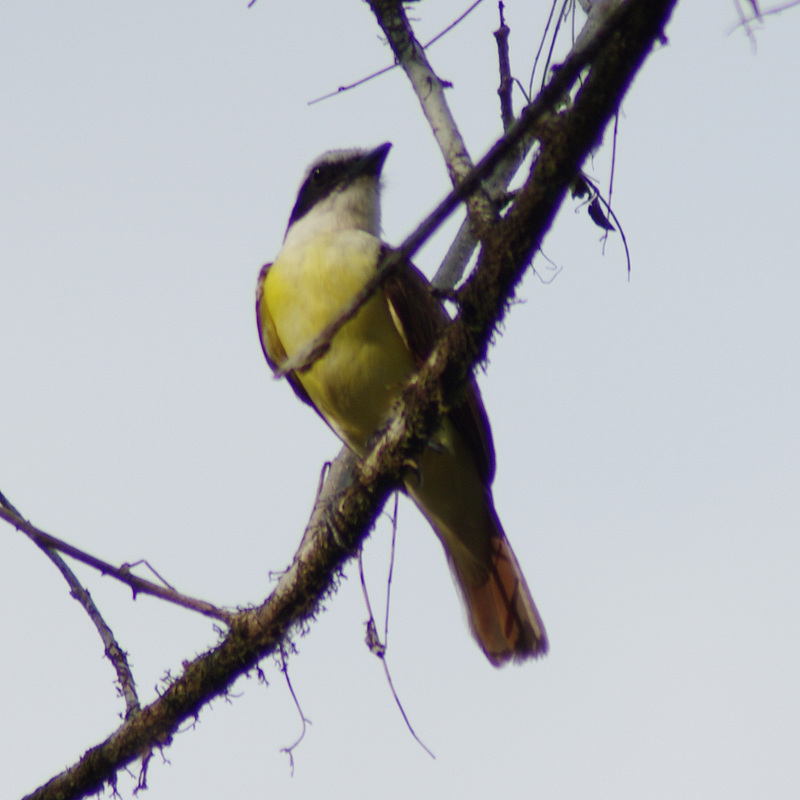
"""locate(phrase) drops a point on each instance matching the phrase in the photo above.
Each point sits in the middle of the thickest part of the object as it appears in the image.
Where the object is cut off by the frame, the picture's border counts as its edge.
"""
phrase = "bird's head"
(340, 191)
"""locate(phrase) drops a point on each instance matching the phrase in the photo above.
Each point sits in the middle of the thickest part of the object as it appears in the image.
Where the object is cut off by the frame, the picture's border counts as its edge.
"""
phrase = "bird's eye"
(316, 174)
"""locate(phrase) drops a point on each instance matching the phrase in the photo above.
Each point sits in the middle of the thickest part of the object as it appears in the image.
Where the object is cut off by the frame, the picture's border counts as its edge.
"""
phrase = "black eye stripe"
(321, 181)
(334, 170)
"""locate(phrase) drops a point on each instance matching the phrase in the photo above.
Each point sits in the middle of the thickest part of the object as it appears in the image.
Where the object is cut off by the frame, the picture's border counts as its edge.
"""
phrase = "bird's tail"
(458, 504)
(501, 611)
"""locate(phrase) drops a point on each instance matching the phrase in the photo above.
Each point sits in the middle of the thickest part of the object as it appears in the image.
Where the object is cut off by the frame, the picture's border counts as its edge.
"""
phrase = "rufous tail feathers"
(500, 608)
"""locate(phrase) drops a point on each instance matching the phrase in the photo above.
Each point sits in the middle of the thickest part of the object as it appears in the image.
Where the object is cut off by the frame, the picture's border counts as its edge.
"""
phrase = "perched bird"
(330, 251)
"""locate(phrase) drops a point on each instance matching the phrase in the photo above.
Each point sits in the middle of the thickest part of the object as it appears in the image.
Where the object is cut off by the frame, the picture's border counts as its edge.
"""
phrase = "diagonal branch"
(429, 88)
(427, 85)
(463, 245)
(116, 655)
(383, 71)
(123, 573)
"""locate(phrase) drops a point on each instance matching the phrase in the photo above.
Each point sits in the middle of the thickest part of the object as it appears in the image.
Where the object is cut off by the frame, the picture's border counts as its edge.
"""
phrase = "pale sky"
(647, 432)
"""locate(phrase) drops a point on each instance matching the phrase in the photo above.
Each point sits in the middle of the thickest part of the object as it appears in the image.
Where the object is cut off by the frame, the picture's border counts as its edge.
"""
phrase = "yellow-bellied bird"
(331, 249)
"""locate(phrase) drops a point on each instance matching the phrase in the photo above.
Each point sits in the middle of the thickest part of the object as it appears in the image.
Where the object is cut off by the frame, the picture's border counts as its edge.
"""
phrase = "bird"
(331, 249)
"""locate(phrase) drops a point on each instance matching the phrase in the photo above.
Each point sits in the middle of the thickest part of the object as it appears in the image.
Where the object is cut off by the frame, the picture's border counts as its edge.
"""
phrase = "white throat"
(355, 207)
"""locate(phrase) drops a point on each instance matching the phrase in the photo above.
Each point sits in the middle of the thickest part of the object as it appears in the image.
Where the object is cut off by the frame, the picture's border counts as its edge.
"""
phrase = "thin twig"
(383, 71)
(555, 269)
(743, 21)
(761, 14)
(306, 722)
(122, 573)
(452, 25)
(613, 216)
(403, 711)
(611, 176)
(541, 47)
(427, 86)
(554, 39)
(458, 255)
(506, 82)
(379, 648)
(116, 655)
(146, 563)
(391, 572)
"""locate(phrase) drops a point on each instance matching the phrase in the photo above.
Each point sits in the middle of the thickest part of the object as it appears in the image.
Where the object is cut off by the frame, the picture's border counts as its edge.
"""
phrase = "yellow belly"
(356, 382)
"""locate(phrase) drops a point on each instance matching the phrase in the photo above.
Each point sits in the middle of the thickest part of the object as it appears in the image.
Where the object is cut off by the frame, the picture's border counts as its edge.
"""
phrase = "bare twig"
(541, 47)
(306, 722)
(116, 655)
(611, 178)
(554, 268)
(463, 245)
(506, 82)
(745, 21)
(123, 573)
(378, 648)
(556, 29)
(383, 71)
(427, 85)
(389, 576)
(452, 25)
(599, 196)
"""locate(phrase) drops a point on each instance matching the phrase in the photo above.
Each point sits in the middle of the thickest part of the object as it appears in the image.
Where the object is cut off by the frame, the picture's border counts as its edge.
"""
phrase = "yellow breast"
(356, 382)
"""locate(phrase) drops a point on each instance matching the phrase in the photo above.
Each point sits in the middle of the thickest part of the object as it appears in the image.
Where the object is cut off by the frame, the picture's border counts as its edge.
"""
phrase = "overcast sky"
(647, 432)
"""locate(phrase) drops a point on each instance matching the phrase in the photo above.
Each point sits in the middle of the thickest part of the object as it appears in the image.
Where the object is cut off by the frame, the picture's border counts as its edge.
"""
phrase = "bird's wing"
(420, 319)
(270, 343)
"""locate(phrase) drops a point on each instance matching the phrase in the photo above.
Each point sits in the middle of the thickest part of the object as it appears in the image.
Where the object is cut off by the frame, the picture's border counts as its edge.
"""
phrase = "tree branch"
(122, 573)
(116, 655)
(384, 70)
(429, 88)
(463, 246)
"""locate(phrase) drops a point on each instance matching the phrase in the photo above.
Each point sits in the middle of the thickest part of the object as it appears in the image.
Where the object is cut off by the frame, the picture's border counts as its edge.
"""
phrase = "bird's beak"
(372, 162)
